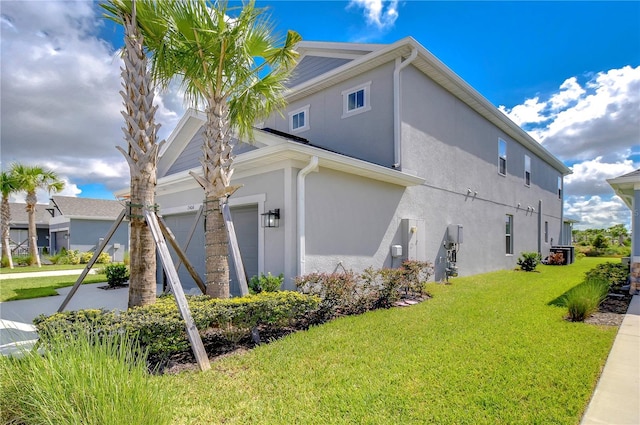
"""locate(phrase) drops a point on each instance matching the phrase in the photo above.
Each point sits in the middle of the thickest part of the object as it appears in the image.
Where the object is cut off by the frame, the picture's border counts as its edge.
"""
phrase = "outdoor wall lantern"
(271, 218)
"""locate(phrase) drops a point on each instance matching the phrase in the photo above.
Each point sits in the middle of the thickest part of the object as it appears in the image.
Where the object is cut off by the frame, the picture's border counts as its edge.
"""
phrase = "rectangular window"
(527, 170)
(546, 232)
(502, 157)
(299, 119)
(356, 100)
(559, 187)
(509, 234)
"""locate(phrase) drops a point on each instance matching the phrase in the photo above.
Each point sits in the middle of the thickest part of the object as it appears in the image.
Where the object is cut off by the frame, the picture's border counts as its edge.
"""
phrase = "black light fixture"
(271, 218)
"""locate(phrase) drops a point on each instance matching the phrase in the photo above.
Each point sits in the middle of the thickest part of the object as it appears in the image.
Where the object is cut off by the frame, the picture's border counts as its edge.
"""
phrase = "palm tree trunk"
(32, 233)
(216, 247)
(142, 155)
(6, 234)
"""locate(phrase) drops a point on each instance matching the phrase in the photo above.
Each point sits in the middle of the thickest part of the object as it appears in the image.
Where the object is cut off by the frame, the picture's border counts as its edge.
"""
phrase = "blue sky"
(567, 72)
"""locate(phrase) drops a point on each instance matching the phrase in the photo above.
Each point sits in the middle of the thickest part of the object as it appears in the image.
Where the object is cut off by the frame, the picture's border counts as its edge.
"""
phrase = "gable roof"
(73, 207)
(625, 185)
(20, 217)
(428, 64)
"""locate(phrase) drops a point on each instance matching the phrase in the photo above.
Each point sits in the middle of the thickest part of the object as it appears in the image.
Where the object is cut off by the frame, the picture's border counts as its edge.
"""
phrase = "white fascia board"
(435, 69)
(335, 49)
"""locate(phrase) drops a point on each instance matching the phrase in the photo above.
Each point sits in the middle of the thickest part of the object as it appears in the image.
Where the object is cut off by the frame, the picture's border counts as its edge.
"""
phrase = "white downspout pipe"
(312, 166)
(397, 135)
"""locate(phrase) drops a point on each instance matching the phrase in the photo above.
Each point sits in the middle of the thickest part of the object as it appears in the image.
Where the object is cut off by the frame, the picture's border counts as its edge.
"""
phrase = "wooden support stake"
(178, 293)
(183, 257)
(235, 249)
(6, 243)
(93, 260)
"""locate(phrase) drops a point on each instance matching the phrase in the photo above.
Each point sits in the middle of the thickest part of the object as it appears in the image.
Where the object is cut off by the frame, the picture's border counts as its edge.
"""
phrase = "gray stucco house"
(382, 154)
(81, 223)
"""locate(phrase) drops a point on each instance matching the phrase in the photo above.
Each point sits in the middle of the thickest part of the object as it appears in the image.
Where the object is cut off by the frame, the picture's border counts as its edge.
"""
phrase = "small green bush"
(528, 261)
(5, 261)
(93, 379)
(268, 283)
(584, 299)
(103, 258)
(615, 274)
(117, 274)
(22, 260)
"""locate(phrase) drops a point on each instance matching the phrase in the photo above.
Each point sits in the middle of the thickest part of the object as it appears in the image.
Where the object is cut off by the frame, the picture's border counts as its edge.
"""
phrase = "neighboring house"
(382, 154)
(19, 228)
(81, 223)
(627, 187)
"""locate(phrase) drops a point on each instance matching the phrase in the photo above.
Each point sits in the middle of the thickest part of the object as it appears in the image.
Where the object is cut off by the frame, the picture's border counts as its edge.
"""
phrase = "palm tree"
(29, 178)
(140, 132)
(7, 186)
(236, 67)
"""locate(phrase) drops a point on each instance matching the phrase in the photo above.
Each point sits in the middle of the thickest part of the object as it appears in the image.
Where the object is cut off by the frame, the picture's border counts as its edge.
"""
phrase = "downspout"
(397, 133)
(312, 166)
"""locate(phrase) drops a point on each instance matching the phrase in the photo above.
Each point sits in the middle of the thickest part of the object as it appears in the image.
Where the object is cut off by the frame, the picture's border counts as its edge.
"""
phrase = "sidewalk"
(4, 276)
(616, 399)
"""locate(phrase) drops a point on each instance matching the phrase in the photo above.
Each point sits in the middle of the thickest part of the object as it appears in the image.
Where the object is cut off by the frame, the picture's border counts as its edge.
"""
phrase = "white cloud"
(378, 13)
(590, 177)
(595, 212)
(60, 103)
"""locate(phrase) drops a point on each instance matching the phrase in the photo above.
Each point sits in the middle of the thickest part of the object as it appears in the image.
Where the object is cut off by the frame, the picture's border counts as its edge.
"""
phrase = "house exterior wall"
(85, 235)
(367, 136)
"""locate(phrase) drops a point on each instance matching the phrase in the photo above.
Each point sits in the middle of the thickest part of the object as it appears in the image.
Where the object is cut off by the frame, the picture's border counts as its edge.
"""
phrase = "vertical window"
(559, 187)
(502, 157)
(527, 170)
(546, 232)
(356, 100)
(299, 119)
(508, 234)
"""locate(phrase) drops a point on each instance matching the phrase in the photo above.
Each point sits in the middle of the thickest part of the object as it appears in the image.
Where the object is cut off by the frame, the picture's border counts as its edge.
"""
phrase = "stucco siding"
(85, 235)
(367, 136)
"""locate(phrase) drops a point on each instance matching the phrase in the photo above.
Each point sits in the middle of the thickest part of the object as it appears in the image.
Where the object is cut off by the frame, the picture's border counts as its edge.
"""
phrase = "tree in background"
(29, 179)
(8, 185)
(618, 232)
(229, 61)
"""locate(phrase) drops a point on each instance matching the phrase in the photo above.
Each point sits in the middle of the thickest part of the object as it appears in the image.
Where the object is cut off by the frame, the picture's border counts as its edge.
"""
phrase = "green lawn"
(487, 349)
(24, 288)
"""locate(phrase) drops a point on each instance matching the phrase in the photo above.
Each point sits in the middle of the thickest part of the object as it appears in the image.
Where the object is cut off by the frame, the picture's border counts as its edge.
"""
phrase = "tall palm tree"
(230, 61)
(7, 187)
(140, 132)
(30, 178)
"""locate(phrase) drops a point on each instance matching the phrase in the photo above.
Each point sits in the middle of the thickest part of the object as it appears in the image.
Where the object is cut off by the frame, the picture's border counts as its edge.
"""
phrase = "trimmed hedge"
(160, 329)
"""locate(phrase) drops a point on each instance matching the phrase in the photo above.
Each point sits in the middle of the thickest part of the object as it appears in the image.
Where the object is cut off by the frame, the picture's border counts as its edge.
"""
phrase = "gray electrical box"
(454, 233)
(396, 251)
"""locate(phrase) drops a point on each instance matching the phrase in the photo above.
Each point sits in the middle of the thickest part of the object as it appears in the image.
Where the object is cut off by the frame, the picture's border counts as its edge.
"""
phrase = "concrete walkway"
(77, 272)
(616, 399)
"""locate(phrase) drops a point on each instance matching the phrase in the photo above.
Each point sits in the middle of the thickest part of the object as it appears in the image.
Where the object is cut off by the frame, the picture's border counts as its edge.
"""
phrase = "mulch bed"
(611, 311)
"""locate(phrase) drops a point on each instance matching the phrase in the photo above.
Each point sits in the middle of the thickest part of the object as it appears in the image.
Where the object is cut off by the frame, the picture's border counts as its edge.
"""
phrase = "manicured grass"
(487, 349)
(35, 287)
(45, 268)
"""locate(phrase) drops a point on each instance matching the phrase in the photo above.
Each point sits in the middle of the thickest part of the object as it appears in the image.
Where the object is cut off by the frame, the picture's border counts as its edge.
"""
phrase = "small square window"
(356, 100)
(299, 119)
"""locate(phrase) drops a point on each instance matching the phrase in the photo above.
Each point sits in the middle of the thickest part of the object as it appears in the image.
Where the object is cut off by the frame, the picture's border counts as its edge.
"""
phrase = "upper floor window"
(502, 157)
(527, 170)
(559, 187)
(299, 119)
(356, 100)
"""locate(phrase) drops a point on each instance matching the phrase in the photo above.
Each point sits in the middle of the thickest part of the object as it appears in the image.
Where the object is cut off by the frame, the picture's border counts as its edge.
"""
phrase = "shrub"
(615, 274)
(117, 274)
(5, 261)
(268, 283)
(528, 261)
(22, 260)
(160, 329)
(584, 299)
(85, 257)
(103, 258)
(92, 379)
(555, 259)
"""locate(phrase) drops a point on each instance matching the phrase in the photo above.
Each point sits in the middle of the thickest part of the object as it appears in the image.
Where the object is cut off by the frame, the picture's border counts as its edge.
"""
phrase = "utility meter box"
(454, 233)
(396, 251)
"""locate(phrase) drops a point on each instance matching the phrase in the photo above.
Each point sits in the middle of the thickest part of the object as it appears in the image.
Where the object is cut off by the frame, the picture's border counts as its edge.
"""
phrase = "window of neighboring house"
(527, 170)
(299, 119)
(509, 234)
(559, 187)
(356, 100)
(502, 157)
(546, 232)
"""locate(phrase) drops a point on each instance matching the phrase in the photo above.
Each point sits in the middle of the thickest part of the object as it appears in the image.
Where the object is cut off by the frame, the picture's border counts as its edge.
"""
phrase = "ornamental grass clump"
(90, 379)
(583, 300)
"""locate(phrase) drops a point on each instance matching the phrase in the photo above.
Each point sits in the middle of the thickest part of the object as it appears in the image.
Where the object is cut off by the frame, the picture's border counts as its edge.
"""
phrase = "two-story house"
(382, 154)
